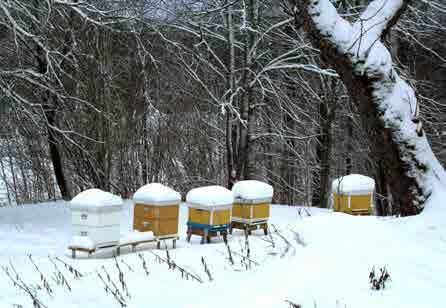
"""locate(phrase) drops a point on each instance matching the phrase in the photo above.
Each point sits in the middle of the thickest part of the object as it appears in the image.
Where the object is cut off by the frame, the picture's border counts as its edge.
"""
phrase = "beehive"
(210, 210)
(96, 216)
(156, 208)
(252, 201)
(353, 194)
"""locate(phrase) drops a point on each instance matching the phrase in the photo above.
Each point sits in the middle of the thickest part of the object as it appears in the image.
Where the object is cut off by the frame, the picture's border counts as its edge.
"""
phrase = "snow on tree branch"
(388, 104)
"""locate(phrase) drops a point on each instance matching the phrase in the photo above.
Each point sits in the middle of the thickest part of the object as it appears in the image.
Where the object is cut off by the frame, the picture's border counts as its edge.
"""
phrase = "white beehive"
(96, 215)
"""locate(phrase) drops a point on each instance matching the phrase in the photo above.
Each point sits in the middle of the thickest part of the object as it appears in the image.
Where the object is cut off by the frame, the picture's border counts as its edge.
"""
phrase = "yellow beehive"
(353, 194)
(156, 209)
(210, 210)
(211, 217)
(252, 201)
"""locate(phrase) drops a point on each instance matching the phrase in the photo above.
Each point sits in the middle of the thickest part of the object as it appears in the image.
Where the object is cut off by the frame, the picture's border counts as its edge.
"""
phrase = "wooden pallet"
(360, 212)
(249, 227)
(75, 248)
(174, 239)
(118, 246)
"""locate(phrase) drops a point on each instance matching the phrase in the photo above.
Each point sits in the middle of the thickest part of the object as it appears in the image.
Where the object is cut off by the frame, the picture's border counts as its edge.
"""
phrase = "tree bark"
(411, 170)
(230, 83)
(55, 156)
(49, 103)
(324, 146)
(246, 157)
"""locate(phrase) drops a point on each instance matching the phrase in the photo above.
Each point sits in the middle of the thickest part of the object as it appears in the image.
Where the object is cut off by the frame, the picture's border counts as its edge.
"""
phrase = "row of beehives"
(212, 210)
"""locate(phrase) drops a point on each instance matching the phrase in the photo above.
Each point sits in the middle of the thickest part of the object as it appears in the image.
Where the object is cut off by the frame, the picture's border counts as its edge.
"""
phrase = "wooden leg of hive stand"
(118, 251)
(230, 229)
(73, 253)
(133, 248)
(189, 234)
(158, 245)
(174, 244)
(265, 229)
(205, 236)
(225, 236)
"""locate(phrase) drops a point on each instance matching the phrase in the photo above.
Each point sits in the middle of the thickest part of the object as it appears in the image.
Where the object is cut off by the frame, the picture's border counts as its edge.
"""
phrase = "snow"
(82, 242)
(353, 183)
(330, 269)
(252, 189)
(210, 196)
(156, 193)
(396, 100)
(94, 197)
(135, 236)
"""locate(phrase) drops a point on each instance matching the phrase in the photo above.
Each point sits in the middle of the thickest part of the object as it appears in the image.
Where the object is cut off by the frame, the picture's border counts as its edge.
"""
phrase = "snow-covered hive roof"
(95, 199)
(210, 196)
(252, 190)
(156, 193)
(353, 184)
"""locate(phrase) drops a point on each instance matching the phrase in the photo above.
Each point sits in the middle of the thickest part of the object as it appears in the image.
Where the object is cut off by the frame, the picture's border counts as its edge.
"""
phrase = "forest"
(114, 94)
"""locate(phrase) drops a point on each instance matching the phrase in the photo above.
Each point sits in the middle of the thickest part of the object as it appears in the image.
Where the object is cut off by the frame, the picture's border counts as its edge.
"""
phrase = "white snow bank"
(96, 198)
(353, 183)
(210, 196)
(84, 242)
(136, 236)
(252, 189)
(155, 193)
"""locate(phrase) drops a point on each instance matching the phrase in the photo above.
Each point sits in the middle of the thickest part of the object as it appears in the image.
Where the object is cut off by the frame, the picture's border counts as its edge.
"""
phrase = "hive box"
(156, 209)
(209, 206)
(96, 215)
(353, 194)
(252, 201)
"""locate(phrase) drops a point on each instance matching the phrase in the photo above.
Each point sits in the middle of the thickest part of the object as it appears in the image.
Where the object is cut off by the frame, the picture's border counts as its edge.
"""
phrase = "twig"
(117, 295)
(71, 269)
(230, 254)
(18, 282)
(128, 266)
(60, 277)
(206, 269)
(293, 305)
(184, 273)
(43, 279)
(144, 264)
(298, 239)
(121, 279)
(245, 258)
(284, 239)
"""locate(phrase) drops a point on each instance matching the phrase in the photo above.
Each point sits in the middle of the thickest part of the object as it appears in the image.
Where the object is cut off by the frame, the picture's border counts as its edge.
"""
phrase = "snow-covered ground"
(326, 265)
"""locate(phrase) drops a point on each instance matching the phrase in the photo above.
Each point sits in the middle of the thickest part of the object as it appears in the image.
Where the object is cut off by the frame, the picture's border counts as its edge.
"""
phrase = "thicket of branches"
(115, 94)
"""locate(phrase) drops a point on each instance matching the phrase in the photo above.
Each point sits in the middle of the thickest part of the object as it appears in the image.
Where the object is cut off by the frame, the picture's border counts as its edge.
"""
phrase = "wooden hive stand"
(207, 231)
(249, 227)
(83, 249)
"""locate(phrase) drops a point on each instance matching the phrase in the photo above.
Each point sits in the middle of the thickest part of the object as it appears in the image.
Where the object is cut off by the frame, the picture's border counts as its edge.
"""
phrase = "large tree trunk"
(50, 115)
(55, 156)
(387, 104)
